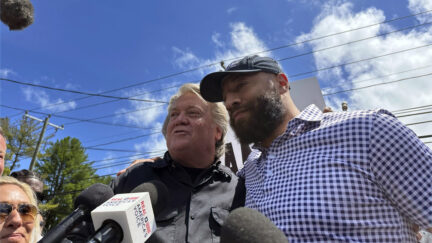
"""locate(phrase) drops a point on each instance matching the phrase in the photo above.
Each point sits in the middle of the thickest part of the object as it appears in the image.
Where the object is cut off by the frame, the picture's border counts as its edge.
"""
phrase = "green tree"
(22, 136)
(65, 175)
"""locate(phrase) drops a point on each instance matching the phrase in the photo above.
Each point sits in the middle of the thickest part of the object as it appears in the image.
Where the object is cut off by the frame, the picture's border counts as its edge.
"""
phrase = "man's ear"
(284, 85)
(218, 135)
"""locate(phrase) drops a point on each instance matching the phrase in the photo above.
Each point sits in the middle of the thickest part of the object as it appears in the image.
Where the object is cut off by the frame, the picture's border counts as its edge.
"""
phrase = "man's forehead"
(235, 77)
(188, 100)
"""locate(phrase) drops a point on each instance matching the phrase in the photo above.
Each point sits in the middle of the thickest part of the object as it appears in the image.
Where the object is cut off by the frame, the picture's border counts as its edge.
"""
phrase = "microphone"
(245, 225)
(158, 194)
(17, 14)
(130, 217)
(86, 201)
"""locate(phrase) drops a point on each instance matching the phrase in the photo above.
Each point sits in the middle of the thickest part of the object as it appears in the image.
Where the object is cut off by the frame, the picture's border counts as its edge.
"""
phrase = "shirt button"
(192, 217)
(270, 156)
(269, 173)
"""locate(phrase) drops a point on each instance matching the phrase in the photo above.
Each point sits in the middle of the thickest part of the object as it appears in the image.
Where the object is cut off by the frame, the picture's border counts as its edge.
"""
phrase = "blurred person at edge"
(202, 191)
(2, 150)
(33, 179)
(18, 212)
(358, 176)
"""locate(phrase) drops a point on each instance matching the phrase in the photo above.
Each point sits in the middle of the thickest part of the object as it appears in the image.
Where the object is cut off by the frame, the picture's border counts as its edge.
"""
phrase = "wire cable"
(260, 52)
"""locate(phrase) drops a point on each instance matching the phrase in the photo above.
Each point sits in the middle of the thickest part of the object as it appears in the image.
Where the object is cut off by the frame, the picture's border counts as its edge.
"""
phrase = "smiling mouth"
(180, 132)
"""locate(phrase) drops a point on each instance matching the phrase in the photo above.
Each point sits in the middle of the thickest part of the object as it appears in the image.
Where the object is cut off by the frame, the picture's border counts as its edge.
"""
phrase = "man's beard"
(266, 113)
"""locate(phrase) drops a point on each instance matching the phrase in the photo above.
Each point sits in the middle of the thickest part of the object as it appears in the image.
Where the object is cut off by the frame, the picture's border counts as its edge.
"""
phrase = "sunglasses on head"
(27, 211)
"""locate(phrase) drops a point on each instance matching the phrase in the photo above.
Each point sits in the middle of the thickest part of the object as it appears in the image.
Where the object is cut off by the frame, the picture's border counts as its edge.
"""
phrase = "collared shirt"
(343, 177)
(196, 209)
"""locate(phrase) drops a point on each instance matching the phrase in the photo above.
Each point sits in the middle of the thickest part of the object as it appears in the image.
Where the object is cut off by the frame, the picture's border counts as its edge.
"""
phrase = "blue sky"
(96, 46)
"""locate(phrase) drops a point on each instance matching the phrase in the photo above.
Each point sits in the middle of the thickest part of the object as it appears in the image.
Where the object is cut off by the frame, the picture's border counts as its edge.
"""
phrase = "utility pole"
(45, 121)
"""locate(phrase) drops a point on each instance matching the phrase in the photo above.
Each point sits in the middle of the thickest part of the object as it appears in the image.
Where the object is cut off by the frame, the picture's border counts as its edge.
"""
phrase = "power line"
(124, 140)
(425, 136)
(379, 84)
(112, 150)
(352, 42)
(412, 108)
(109, 101)
(264, 51)
(391, 74)
(415, 110)
(415, 114)
(81, 120)
(357, 61)
(417, 123)
(125, 162)
(80, 92)
(114, 114)
(121, 157)
(300, 74)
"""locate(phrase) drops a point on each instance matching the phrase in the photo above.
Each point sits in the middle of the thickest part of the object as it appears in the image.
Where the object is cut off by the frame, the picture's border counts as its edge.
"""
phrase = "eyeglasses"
(27, 211)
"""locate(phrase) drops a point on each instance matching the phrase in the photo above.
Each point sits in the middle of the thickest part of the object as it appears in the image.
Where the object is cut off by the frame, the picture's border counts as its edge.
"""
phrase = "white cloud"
(405, 94)
(231, 10)
(145, 113)
(6, 72)
(185, 59)
(216, 40)
(41, 98)
(243, 41)
(418, 6)
(155, 144)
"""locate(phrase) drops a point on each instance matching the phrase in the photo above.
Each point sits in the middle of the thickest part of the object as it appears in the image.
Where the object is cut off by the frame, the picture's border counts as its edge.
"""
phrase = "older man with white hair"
(202, 191)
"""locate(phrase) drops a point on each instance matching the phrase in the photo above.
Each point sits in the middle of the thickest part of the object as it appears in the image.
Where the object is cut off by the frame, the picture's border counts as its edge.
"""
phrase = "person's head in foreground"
(18, 212)
(194, 128)
(256, 93)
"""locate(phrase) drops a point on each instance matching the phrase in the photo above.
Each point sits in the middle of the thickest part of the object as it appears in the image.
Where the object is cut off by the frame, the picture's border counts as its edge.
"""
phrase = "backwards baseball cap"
(211, 85)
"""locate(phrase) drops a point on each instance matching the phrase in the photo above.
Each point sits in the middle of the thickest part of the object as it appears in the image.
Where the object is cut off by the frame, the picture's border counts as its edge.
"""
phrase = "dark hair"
(35, 181)
(25, 173)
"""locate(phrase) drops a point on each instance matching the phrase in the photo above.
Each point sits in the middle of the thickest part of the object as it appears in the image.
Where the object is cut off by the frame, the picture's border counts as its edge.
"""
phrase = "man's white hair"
(218, 112)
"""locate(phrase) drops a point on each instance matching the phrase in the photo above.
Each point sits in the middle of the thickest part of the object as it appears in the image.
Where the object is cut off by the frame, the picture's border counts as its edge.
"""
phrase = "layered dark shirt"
(197, 208)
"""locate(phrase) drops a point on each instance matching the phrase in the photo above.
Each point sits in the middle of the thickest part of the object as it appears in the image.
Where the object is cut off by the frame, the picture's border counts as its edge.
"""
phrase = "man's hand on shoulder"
(137, 161)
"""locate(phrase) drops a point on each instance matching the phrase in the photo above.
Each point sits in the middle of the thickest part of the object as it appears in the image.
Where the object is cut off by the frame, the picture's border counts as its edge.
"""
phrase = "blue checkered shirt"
(343, 177)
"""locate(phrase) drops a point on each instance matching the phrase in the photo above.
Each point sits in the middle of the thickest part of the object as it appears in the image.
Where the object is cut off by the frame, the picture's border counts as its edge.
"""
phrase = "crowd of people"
(357, 176)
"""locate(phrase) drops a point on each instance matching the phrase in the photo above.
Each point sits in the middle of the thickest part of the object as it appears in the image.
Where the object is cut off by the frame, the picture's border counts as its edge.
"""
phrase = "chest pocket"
(217, 218)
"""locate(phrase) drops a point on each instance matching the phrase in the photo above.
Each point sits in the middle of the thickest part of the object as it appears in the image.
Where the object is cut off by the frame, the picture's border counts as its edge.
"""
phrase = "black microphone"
(17, 14)
(112, 231)
(245, 225)
(158, 194)
(86, 201)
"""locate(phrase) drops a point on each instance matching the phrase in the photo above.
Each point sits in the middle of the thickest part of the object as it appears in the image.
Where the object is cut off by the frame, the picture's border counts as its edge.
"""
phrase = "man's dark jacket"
(195, 210)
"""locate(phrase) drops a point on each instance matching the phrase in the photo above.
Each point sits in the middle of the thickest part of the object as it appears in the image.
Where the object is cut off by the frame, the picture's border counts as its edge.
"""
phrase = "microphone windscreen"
(93, 196)
(248, 225)
(158, 194)
(17, 14)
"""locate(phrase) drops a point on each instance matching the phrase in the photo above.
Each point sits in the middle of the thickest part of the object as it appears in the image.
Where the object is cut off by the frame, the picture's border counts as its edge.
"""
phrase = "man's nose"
(181, 119)
(231, 100)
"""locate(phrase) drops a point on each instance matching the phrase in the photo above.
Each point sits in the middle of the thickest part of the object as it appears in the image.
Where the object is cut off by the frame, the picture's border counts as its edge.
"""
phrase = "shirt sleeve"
(402, 166)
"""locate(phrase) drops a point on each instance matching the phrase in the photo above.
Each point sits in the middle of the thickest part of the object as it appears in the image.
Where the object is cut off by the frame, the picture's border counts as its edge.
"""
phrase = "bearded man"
(357, 176)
